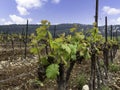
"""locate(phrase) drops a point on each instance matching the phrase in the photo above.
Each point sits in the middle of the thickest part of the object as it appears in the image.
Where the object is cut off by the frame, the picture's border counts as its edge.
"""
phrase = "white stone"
(1, 66)
(85, 87)
(3, 62)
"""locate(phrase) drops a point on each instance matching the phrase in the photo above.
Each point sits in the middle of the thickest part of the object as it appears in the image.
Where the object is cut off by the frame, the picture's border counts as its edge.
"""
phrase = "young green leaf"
(52, 71)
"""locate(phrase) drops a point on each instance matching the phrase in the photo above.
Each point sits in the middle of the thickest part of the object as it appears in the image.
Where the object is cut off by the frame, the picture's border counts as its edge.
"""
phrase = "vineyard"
(50, 61)
(65, 62)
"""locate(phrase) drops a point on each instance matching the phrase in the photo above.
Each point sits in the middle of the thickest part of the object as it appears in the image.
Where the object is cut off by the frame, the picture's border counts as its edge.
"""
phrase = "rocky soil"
(21, 74)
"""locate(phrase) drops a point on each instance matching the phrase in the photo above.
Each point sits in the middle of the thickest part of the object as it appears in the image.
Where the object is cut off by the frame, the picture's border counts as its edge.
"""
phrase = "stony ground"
(20, 74)
(114, 77)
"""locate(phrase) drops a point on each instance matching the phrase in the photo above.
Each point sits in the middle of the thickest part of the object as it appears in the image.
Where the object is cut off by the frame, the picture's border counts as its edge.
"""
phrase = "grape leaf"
(52, 71)
(66, 48)
(49, 35)
(33, 50)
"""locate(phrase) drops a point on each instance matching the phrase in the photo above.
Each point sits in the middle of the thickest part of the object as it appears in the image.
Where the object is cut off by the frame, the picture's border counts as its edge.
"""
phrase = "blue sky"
(58, 11)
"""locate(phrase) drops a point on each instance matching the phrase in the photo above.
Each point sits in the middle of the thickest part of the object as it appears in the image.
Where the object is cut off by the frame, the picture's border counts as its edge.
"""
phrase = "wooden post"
(54, 34)
(116, 35)
(26, 33)
(111, 37)
(96, 13)
(95, 63)
(93, 56)
(106, 49)
(106, 29)
(111, 33)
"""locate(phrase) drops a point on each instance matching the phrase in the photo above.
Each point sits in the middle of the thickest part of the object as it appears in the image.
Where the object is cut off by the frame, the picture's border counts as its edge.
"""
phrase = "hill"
(59, 28)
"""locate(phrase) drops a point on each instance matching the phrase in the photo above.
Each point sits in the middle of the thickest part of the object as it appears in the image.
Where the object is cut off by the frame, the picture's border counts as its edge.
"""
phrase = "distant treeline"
(60, 28)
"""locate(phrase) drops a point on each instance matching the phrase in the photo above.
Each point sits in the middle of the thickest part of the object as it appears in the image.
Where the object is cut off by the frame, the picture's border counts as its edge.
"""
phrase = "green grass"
(81, 81)
(114, 68)
(105, 88)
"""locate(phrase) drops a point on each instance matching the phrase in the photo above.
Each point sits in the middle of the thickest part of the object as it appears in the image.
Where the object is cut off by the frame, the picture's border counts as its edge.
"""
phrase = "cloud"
(111, 11)
(19, 20)
(24, 5)
(14, 19)
(8, 23)
(22, 10)
(2, 20)
(55, 1)
(114, 21)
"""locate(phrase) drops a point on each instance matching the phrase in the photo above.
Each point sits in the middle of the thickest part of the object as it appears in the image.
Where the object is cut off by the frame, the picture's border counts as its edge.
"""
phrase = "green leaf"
(73, 51)
(44, 61)
(73, 57)
(52, 71)
(69, 37)
(72, 29)
(54, 45)
(81, 53)
(34, 41)
(87, 55)
(38, 82)
(33, 50)
(59, 40)
(64, 60)
(73, 48)
(41, 34)
(66, 48)
(62, 35)
(79, 35)
(49, 35)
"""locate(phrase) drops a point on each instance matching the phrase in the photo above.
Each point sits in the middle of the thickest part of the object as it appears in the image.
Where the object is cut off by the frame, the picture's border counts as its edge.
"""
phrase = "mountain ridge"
(63, 27)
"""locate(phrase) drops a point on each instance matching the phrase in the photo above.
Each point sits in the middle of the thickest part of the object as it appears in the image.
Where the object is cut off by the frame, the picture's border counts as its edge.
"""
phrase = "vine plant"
(57, 56)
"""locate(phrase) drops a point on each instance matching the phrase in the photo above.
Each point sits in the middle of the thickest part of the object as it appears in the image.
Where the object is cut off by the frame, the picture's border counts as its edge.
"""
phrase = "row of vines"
(57, 56)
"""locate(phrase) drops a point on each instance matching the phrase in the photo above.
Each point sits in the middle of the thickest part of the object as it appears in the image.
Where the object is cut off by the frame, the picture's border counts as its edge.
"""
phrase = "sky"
(58, 11)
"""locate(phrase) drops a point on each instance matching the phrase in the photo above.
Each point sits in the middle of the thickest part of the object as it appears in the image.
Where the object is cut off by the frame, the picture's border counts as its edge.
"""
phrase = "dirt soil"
(21, 74)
